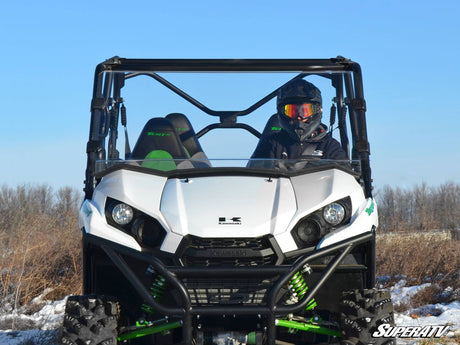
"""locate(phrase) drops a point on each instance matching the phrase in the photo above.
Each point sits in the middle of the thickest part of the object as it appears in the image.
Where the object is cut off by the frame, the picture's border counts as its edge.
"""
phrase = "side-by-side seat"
(159, 145)
(189, 139)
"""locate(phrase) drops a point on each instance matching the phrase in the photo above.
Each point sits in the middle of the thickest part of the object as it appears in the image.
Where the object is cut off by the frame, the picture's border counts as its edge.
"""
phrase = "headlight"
(122, 214)
(144, 228)
(334, 213)
(147, 231)
(310, 229)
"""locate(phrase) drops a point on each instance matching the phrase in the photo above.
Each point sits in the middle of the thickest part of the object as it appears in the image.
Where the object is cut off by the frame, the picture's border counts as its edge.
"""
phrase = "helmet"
(299, 107)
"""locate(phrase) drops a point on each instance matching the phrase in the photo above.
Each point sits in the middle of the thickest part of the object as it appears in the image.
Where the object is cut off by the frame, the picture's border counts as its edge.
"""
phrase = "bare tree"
(421, 208)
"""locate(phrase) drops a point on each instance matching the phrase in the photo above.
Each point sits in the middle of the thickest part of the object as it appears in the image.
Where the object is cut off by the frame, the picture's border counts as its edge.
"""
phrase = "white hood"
(228, 206)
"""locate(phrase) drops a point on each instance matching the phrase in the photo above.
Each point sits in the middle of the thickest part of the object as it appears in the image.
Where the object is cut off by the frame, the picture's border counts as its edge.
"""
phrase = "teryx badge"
(229, 220)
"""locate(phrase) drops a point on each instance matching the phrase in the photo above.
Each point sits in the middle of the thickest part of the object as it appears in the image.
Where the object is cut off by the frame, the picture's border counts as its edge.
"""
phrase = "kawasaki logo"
(229, 220)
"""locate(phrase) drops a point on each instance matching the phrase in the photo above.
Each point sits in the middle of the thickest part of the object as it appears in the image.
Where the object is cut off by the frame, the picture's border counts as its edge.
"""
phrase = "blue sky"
(408, 51)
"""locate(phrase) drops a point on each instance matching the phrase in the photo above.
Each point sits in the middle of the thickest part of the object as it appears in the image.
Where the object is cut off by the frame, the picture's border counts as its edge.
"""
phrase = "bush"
(420, 258)
(40, 243)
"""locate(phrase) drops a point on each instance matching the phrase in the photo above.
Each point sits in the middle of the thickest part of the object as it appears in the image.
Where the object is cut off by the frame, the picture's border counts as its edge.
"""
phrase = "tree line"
(421, 208)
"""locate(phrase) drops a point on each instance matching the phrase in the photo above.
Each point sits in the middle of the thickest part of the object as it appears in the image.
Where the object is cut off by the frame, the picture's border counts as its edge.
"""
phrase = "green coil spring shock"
(157, 290)
(299, 288)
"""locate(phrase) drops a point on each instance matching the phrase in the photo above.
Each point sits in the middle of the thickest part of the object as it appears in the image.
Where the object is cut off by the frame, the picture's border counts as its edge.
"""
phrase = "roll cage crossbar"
(106, 101)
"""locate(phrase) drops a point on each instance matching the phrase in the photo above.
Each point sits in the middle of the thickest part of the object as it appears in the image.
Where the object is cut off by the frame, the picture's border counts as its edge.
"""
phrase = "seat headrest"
(186, 133)
(158, 134)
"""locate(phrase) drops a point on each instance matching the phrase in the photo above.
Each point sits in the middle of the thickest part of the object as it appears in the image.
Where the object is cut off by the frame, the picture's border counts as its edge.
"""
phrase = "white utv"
(181, 247)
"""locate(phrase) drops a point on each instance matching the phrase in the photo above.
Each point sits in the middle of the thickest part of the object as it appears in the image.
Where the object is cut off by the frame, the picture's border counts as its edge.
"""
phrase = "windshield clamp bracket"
(358, 104)
(363, 146)
(93, 146)
(228, 120)
(98, 104)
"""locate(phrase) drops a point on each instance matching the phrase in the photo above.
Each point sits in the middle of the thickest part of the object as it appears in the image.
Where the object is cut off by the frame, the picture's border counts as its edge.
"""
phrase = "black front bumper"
(270, 309)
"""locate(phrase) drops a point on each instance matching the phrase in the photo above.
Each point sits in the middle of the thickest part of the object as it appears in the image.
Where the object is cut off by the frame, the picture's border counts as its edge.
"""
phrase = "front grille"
(228, 252)
(228, 291)
(205, 243)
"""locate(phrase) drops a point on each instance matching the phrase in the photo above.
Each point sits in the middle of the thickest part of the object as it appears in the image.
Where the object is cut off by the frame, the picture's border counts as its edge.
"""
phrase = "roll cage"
(107, 109)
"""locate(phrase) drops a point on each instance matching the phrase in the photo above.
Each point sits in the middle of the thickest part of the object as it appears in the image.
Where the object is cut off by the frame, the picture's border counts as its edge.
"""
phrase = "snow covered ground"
(42, 326)
(428, 315)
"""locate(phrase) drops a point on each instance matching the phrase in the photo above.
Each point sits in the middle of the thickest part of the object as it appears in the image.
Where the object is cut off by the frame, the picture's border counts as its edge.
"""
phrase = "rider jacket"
(280, 145)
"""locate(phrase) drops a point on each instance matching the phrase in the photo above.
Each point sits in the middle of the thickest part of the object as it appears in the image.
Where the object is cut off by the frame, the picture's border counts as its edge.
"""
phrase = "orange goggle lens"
(303, 110)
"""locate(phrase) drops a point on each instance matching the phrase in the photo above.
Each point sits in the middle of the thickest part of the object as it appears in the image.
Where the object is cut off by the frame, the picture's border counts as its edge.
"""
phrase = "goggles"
(302, 111)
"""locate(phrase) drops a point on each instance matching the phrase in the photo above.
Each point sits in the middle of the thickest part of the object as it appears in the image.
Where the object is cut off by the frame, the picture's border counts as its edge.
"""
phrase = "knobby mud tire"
(90, 320)
(362, 311)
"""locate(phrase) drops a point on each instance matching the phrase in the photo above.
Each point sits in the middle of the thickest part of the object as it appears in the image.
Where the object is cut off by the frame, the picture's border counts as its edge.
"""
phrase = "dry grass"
(421, 259)
(40, 248)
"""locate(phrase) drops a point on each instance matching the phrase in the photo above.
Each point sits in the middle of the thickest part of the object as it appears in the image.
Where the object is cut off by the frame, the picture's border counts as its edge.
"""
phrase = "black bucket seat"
(188, 138)
(159, 146)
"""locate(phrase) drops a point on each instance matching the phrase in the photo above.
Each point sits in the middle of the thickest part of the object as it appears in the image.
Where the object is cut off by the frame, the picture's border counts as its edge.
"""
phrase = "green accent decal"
(158, 134)
(159, 160)
(370, 209)
(277, 129)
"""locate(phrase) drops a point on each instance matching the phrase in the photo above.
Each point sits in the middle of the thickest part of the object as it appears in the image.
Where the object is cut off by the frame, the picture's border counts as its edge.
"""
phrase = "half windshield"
(264, 166)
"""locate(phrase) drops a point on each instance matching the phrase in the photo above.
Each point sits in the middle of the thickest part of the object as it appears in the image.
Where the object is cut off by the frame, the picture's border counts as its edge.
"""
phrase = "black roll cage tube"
(104, 82)
(270, 310)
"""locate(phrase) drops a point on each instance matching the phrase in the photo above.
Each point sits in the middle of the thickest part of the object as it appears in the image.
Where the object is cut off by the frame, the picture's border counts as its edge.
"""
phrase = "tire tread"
(362, 311)
(90, 320)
